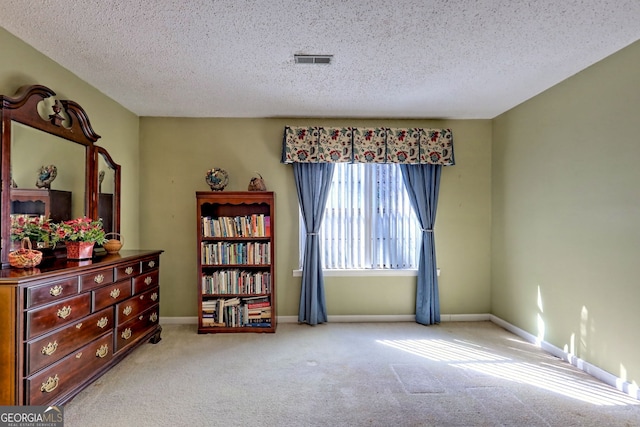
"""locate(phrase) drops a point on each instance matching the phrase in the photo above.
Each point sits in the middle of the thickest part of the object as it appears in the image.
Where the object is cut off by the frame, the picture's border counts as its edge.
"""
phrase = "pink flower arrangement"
(34, 228)
(81, 230)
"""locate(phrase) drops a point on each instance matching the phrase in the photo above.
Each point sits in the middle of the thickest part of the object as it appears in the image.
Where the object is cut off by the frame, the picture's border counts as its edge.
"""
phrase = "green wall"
(177, 152)
(566, 205)
(22, 65)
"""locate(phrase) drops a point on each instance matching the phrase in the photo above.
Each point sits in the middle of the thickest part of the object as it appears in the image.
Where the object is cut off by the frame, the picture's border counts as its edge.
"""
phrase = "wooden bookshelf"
(236, 259)
(53, 204)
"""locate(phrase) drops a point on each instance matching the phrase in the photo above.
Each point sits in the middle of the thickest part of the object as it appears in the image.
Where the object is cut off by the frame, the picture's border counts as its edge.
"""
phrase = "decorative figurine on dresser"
(64, 323)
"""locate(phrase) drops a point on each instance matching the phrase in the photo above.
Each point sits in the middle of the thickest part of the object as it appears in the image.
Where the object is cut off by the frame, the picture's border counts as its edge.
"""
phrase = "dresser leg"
(155, 338)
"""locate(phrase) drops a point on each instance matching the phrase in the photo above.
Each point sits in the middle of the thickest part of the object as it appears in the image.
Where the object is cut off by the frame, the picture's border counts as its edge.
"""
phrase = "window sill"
(364, 272)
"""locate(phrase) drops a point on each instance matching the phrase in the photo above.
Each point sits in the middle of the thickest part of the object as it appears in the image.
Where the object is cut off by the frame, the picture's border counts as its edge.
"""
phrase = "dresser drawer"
(131, 308)
(52, 291)
(53, 316)
(53, 347)
(97, 278)
(131, 331)
(151, 264)
(65, 375)
(128, 270)
(111, 294)
(145, 281)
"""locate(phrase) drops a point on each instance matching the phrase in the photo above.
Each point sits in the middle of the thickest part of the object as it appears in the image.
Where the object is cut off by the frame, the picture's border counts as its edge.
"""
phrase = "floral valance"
(367, 145)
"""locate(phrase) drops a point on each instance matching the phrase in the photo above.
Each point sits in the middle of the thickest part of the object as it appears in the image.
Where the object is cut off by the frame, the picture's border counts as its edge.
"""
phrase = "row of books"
(237, 312)
(224, 253)
(236, 282)
(256, 225)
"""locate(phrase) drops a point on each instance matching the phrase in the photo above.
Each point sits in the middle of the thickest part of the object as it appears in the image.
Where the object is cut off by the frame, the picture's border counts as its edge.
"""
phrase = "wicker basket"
(25, 257)
(113, 246)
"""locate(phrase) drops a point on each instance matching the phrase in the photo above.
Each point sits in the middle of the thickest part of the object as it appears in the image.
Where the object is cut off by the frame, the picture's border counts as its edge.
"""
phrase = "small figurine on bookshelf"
(257, 183)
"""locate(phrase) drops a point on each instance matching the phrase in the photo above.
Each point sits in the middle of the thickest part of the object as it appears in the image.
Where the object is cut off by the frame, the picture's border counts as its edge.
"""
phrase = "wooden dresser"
(64, 325)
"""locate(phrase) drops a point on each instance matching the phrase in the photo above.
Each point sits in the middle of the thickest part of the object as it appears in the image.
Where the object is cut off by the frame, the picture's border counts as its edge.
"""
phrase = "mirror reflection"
(106, 193)
(47, 174)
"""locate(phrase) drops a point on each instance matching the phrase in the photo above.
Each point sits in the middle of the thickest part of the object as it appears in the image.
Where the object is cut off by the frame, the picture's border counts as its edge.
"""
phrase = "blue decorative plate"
(217, 179)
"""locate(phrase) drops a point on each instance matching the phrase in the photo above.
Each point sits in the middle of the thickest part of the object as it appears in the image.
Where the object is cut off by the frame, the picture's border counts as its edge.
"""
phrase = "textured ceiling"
(391, 58)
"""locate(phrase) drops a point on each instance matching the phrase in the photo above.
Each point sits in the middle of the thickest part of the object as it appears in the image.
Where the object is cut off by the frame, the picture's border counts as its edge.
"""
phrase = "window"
(368, 222)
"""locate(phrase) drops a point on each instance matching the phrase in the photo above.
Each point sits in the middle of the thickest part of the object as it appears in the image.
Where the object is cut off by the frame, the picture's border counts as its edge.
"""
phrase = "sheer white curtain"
(369, 222)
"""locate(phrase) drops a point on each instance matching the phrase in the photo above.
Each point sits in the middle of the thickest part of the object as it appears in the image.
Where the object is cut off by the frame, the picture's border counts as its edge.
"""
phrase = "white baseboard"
(596, 372)
(480, 317)
(366, 318)
(287, 319)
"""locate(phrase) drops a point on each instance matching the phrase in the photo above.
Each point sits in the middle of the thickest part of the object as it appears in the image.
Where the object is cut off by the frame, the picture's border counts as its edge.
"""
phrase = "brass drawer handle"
(129, 270)
(50, 348)
(115, 293)
(102, 351)
(102, 323)
(127, 310)
(126, 334)
(50, 385)
(64, 312)
(154, 296)
(99, 278)
(148, 280)
(151, 264)
(153, 317)
(55, 291)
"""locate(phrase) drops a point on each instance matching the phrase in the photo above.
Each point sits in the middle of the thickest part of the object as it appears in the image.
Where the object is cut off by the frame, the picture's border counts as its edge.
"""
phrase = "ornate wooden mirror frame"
(66, 120)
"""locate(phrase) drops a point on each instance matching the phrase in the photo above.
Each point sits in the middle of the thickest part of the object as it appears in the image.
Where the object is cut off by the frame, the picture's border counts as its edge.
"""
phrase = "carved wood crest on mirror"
(50, 164)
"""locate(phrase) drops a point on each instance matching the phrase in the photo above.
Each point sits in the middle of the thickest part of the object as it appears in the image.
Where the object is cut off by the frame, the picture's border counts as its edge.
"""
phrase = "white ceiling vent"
(313, 59)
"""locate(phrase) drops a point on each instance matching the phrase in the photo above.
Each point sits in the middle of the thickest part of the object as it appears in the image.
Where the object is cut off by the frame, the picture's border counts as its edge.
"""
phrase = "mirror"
(50, 165)
(108, 191)
(61, 199)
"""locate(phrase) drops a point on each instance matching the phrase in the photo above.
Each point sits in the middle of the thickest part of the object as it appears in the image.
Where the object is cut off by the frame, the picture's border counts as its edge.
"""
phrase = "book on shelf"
(207, 323)
(231, 301)
(262, 304)
(261, 225)
(256, 298)
(259, 315)
(220, 311)
(258, 324)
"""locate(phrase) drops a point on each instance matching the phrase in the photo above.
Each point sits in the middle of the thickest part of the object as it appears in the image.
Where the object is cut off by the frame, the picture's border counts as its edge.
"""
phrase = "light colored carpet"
(349, 374)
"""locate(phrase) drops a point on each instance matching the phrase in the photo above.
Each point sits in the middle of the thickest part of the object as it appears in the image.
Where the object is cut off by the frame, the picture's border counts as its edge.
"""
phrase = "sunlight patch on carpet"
(470, 357)
(439, 350)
